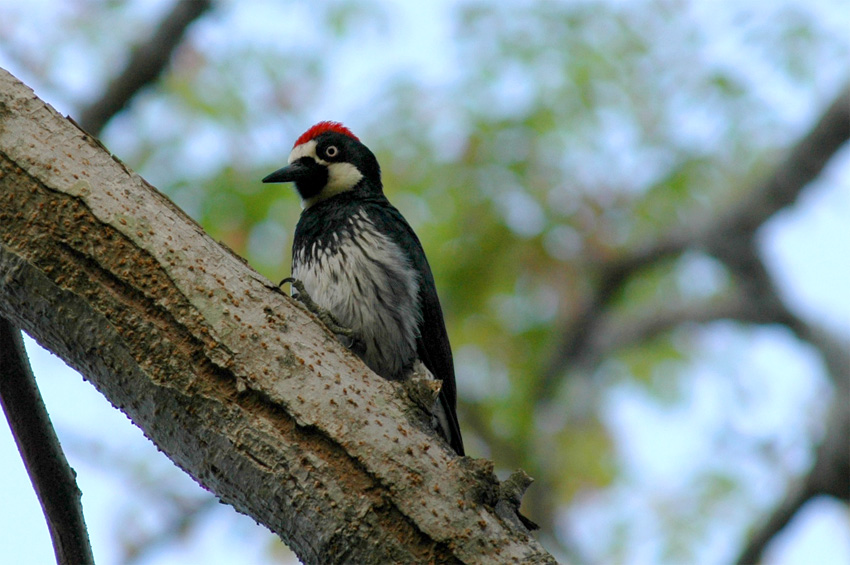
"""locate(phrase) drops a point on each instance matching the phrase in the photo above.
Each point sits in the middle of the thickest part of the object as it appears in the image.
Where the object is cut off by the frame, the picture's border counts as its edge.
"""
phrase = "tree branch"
(176, 511)
(615, 334)
(146, 64)
(729, 237)
(579, 330)
(792, 502)
(803, 164)
(53, 479)
(830, 474)
(235, 383)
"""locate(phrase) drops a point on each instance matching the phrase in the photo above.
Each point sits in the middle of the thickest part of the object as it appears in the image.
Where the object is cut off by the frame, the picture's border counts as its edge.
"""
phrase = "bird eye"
(332, 151)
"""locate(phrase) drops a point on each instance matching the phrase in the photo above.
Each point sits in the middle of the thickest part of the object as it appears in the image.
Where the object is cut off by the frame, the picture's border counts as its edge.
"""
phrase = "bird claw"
(324, 315)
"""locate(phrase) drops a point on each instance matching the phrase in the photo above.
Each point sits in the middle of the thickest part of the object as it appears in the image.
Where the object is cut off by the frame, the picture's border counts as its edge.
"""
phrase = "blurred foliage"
(557, 136)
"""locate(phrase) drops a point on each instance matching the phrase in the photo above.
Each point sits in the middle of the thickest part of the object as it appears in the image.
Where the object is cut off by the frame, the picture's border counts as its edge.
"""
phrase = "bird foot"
(324, 315)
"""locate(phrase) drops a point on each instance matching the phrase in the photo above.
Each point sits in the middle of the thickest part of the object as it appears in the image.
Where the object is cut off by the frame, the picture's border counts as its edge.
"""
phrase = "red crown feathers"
(321, 128)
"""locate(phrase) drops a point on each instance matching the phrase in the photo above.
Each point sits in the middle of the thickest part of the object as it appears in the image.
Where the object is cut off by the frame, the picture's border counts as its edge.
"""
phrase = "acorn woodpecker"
(358, 260)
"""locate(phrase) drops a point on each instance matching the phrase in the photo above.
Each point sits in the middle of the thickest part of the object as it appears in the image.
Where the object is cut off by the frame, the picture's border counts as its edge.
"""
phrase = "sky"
(806, 249)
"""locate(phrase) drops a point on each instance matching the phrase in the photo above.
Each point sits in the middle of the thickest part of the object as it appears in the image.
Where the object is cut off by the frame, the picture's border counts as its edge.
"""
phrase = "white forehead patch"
(341, 176)
(306, 149)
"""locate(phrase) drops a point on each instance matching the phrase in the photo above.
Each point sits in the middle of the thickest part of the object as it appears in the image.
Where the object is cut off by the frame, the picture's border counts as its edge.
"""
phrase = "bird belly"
(366, 282)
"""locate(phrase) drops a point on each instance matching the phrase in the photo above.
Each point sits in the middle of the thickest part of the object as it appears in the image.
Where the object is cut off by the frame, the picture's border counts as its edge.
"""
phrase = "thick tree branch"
(52, 477)
(236, 384)
(146, 64)
(60, 498)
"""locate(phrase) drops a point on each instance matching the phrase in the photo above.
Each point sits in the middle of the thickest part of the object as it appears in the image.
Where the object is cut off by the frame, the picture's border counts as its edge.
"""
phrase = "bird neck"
(364, 189)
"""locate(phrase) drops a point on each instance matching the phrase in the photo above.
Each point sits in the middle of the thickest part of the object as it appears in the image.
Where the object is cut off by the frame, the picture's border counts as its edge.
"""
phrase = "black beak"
(309, 176)
(294, 172)
(289, 173)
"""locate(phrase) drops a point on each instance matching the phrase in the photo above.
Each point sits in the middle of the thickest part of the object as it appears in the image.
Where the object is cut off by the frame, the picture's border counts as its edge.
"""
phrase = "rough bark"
(233, 381)
(53, 479)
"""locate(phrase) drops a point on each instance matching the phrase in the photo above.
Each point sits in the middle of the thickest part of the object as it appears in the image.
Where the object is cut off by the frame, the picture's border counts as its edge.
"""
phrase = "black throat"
(312, 184)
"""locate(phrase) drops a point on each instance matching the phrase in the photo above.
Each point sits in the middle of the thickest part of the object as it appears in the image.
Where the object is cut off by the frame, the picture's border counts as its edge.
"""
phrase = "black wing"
(433, 342)
(436, 352)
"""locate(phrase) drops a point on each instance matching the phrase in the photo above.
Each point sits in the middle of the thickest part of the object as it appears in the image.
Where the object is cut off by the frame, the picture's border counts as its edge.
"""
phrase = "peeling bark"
(238, 385)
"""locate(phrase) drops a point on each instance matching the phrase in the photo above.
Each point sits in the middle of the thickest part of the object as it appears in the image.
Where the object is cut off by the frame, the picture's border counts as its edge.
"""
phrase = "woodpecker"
(357, 259)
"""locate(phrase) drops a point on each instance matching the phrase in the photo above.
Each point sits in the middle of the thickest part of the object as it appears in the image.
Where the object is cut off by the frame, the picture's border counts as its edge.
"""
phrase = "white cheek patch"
(341, 177)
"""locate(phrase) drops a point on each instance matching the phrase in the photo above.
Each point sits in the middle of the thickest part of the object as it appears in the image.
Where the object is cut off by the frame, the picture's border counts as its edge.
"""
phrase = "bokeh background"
(666, 375)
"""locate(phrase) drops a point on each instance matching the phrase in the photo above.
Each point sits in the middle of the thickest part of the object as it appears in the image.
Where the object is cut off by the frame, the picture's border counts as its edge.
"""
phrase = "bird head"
(328, 160)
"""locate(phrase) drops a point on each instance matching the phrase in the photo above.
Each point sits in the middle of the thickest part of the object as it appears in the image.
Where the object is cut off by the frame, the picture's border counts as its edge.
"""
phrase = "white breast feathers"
(366, 281)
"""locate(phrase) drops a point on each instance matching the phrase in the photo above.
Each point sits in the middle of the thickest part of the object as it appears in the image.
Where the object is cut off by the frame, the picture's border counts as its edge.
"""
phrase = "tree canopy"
(633, 212)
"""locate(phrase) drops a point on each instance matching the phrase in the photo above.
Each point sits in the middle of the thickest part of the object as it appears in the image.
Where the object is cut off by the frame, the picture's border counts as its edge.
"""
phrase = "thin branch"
(146, 64)
(730, 237)
(778, 520)
(830, 475)
(615, 334)
(176, 511)
(53, 479)
(803, 164)
(582, 326)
